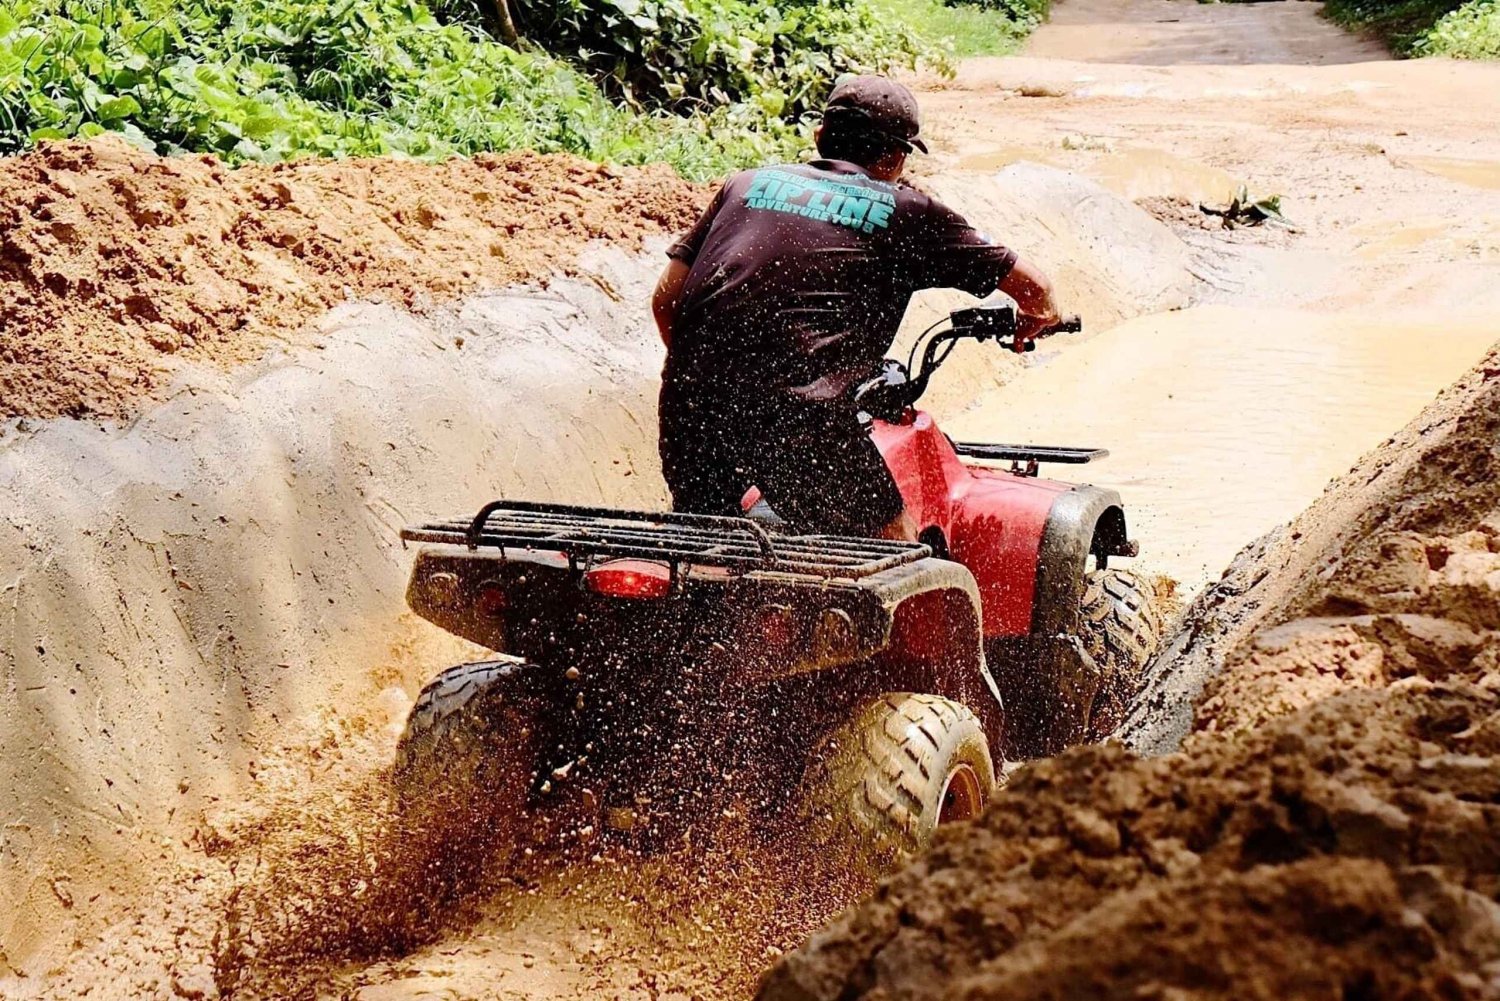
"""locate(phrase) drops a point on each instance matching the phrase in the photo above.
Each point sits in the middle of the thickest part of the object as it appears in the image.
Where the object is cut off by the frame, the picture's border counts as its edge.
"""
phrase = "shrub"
(1471, 32)
(779, 57)
(1026, 12)
(272, 79)
(1399, 23)
(1426, 27)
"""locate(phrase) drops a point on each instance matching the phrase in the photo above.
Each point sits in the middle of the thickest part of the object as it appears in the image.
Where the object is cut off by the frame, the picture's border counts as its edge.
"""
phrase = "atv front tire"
(1121, 628)
(880, 784)
(466, 761)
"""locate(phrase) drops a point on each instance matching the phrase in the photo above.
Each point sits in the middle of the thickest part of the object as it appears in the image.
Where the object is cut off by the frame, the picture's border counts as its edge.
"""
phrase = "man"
(786, 295)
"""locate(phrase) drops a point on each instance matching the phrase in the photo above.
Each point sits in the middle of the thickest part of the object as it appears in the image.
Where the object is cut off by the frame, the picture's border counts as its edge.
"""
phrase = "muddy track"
(283, 447)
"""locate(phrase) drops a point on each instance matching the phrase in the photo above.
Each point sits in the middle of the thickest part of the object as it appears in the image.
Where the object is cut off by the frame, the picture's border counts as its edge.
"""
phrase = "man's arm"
(667, 297)
(1033, 294)
(951, 253)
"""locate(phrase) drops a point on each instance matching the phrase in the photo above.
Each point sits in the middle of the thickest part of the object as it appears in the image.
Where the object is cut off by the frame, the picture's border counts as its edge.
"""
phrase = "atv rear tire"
(1121, 628)
(879, 785)
(466, 761)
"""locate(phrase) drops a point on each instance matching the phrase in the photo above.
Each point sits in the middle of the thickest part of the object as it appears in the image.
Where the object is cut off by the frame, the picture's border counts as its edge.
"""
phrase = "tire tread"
(878, 768)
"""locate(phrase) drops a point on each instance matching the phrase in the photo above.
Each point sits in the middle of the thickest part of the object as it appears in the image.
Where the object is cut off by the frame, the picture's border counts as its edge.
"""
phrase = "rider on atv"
(786, 295)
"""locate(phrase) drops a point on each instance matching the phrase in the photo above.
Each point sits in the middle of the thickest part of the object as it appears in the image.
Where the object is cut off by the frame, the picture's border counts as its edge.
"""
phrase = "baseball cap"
(888, 107)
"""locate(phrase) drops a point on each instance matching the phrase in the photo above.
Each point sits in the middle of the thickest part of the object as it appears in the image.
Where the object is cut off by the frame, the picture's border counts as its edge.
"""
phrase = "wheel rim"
(963, 797)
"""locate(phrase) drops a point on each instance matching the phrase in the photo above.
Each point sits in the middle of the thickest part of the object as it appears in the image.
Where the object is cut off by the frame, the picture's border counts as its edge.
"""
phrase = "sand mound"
(114, 262)
(1328, 830)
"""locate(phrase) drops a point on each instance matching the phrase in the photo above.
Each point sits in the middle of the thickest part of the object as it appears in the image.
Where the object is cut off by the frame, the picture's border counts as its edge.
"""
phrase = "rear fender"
(996, 530)
(937, 646)
(1052, 658)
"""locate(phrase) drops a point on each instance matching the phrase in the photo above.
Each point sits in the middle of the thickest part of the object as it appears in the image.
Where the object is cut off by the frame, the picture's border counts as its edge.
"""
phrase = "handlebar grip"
(1067, 325)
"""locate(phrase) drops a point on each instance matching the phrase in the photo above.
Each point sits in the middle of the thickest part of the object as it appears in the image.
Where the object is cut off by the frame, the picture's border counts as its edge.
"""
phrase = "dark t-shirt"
(800, 275)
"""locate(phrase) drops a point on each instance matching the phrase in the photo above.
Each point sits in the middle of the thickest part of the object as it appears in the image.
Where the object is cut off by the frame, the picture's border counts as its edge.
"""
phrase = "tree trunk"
(506, 23)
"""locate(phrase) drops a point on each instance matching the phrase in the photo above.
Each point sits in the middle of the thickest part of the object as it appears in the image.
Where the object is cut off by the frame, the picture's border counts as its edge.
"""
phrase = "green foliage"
(963, 29)
(1399, 23)
(706, 85)
(780, 57)
(1471, 32)
(1426, 27)
(271, 79)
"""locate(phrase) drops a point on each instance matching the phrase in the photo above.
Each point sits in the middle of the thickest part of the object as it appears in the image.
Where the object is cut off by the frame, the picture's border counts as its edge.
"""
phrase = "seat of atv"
(762, 513)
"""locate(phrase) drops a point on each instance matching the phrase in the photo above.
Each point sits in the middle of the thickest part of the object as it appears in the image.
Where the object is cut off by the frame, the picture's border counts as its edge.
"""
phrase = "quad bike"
(657, 668)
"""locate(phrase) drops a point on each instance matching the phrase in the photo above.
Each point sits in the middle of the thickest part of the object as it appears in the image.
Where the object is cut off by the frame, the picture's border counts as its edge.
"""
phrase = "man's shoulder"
(924, 207)
(920, 199)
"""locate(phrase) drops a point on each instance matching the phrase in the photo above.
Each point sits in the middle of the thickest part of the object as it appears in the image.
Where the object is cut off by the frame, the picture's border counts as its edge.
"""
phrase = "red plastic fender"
(992, 520)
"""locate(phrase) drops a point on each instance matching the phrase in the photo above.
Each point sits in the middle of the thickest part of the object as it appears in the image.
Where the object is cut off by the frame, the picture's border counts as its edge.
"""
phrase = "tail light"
(777, 626)
(490, 600)
(633, 579)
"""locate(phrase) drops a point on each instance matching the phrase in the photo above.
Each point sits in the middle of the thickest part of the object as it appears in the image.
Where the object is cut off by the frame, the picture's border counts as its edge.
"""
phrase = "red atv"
(659, 668)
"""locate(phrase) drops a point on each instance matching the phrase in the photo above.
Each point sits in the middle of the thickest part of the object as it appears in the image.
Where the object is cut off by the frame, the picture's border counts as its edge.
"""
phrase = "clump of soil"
(1343, 851)
(1328, 829)
(114, 262)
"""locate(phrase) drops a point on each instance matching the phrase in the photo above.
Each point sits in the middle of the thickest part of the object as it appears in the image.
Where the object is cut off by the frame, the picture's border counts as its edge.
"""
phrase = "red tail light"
(630, 579)
(491, 599)
(778, 627)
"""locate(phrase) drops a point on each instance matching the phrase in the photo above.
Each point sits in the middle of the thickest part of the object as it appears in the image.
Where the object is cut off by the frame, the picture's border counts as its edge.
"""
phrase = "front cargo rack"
(587, 534)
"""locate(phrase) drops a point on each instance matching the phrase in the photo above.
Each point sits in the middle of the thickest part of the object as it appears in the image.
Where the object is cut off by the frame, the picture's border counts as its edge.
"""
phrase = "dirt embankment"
(1330, 827)
(114, 263)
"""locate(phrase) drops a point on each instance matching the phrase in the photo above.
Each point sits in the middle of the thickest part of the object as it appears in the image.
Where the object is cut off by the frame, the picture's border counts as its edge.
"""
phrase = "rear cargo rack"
(587, 534)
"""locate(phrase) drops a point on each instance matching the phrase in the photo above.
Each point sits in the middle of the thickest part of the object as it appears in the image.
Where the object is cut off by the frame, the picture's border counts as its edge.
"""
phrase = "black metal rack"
(585, 534)
(1029, 453)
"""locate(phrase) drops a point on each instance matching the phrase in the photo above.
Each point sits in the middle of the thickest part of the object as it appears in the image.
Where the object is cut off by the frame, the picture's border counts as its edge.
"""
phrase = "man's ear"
(818, 137)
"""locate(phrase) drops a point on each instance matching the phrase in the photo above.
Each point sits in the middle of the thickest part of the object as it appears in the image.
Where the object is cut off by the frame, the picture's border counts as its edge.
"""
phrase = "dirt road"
(1303, 350)
(1224, 419)
(1168, 33)
(1308, 347)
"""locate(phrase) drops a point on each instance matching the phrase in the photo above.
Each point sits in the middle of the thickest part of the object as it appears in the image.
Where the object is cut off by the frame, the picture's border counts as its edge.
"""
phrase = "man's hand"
(1033, 294)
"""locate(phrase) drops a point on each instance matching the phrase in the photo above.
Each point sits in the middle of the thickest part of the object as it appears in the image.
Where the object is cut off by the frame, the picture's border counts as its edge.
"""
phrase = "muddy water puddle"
(1474, 173)
(1132, 172)
(1225, 422)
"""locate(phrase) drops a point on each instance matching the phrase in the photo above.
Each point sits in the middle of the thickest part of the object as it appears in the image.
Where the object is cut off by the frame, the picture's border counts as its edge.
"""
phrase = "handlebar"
(1067, 325)
(895, 388)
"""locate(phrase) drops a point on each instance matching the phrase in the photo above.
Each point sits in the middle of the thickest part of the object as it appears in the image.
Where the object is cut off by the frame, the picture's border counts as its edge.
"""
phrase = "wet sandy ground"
(1395, 251)
(1308, 347)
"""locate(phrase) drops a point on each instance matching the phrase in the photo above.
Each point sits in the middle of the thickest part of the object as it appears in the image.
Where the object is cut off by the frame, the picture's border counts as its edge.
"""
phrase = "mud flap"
(1049, 684)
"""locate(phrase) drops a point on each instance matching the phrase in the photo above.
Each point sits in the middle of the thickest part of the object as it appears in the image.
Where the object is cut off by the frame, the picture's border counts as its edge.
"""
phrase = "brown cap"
(890, 108)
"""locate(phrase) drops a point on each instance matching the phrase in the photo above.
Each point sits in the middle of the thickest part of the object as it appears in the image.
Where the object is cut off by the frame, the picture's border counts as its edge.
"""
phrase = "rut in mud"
(207, 816)
(221, 647)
